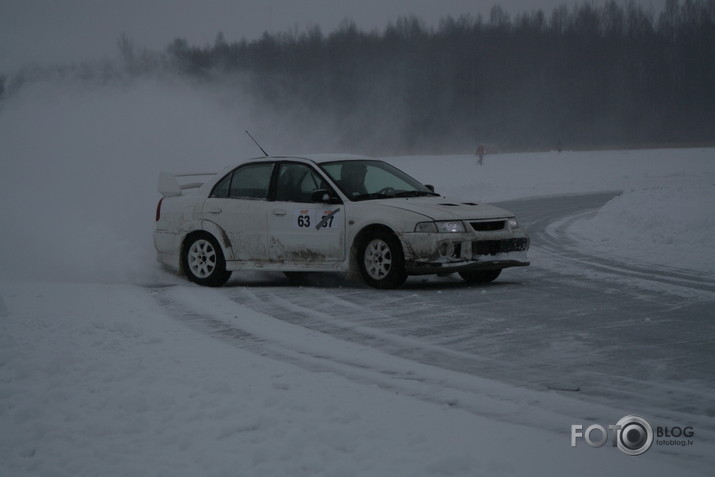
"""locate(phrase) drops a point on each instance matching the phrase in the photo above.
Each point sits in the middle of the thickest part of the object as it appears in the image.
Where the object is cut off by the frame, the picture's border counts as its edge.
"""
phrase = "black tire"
(480, 276)
(381, 260)
(203, 261)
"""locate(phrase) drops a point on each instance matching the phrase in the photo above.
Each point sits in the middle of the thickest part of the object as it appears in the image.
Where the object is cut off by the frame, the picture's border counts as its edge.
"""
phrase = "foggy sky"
(63, 31)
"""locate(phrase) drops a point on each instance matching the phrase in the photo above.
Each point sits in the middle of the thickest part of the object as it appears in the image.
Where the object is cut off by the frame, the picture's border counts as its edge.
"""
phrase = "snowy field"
(99, 377)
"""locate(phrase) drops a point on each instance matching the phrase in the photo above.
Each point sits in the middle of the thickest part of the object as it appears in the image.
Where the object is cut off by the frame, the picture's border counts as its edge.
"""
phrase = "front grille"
(493, 247)
(488, 225)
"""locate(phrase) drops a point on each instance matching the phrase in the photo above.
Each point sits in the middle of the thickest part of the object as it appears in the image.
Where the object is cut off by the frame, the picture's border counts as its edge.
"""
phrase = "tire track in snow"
(386, 332)
(209, 311)
(435, 378)
(334, 316)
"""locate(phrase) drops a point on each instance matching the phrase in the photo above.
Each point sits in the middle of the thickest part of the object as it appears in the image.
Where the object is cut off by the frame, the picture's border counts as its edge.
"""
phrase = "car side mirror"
(430, 187)
(322, 195)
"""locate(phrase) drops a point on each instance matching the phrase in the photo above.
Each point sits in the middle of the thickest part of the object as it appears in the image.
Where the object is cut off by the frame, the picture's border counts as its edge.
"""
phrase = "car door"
(238, 205)
(300, 230)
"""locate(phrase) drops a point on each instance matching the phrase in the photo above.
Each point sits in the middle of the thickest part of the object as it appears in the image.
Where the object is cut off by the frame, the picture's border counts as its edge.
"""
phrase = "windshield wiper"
(373, 195)
(404, 193)
(415, 193)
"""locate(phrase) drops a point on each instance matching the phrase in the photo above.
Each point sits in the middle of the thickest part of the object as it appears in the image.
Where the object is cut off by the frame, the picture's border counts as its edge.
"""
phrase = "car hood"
(441, 208)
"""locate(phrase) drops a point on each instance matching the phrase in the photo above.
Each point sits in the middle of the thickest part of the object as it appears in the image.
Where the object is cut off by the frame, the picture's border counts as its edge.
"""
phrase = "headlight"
(426, 228)
(513, 223)
(445, 226)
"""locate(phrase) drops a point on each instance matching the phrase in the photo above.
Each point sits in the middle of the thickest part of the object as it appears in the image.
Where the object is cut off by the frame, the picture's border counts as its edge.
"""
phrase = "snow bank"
(669, 226)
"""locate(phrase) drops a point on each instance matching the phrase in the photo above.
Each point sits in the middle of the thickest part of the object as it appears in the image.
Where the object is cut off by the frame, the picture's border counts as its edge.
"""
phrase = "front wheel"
(480, 276)
(382, 263)
(204, 262)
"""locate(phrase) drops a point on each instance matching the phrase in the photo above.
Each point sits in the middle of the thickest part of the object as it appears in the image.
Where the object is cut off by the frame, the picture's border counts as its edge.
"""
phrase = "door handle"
(213, 210)
(279, 211)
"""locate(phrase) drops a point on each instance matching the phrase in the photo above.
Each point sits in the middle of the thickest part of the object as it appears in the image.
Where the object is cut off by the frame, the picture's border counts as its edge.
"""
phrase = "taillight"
(158, 209)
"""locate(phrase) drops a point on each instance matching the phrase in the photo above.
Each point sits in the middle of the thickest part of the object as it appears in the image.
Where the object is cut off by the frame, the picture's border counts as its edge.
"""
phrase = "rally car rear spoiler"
(169, 184)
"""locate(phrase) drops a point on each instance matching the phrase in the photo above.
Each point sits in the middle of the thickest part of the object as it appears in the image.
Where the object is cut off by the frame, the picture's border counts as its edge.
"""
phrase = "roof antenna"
(259, 146)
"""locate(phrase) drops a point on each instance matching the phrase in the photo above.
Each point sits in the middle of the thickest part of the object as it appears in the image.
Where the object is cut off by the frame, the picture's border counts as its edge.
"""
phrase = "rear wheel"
(204, 262)
(480, 276)
(382, 263)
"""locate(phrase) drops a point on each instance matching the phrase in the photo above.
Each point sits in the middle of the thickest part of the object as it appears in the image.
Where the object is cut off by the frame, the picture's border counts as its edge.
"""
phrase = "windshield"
(365, 180)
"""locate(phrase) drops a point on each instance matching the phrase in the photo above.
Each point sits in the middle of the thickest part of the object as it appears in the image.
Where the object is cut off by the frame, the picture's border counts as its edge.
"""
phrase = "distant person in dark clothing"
(481, 151)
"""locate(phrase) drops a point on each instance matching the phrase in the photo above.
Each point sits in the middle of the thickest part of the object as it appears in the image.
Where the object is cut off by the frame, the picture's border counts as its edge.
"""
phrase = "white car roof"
(316, 158)
(320, 158)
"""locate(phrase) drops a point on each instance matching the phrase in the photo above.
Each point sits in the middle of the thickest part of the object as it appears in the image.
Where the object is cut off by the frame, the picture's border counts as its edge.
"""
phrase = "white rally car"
(328, 213)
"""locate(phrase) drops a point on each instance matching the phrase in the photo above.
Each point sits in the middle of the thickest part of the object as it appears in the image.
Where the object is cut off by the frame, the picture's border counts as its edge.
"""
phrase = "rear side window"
(246, 182)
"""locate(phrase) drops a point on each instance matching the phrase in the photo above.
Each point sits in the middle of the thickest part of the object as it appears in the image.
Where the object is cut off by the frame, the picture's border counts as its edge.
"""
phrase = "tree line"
(586, 75)
(613, 74)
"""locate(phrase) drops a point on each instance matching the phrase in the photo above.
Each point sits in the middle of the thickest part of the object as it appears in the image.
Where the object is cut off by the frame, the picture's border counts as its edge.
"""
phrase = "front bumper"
(449, 253)
(439, 268)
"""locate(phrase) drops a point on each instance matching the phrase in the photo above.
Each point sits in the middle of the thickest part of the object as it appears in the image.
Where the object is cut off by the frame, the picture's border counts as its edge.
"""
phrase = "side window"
(251, 181)
(296, 183)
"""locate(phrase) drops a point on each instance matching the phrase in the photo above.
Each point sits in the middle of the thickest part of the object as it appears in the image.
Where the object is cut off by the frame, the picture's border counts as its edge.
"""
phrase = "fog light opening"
(446, 249)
